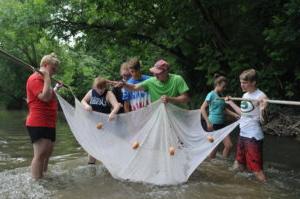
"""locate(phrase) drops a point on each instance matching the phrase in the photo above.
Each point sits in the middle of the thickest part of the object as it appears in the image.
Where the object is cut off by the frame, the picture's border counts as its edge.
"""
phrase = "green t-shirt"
(216, 108)
(173, 87)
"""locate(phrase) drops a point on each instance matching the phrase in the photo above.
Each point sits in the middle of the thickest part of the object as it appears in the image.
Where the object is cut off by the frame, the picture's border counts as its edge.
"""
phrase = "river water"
(69, 175)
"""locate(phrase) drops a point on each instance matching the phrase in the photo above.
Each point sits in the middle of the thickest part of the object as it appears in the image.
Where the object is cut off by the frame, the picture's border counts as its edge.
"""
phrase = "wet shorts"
(218, 126)
(37, 133)
(215, 126)
(249, 153)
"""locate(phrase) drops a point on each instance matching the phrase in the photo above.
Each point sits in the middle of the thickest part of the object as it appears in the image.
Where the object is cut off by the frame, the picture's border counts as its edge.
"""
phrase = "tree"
(198, 38)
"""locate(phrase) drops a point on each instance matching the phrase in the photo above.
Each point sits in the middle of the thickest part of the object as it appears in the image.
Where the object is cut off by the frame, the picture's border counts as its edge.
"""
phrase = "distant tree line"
(198, 38)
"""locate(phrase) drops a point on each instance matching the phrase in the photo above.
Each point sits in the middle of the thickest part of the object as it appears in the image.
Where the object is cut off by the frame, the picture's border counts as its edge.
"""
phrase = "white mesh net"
(155, 132)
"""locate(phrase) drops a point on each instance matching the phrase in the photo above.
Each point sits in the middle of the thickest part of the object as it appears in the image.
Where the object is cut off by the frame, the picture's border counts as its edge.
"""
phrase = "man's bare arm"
(131, 87)
(183, 98)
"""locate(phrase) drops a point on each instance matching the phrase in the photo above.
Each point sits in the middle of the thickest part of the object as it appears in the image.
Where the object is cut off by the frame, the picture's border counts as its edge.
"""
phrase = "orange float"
(99, 125)
(210, 138)
(172, 151)
(135, 145)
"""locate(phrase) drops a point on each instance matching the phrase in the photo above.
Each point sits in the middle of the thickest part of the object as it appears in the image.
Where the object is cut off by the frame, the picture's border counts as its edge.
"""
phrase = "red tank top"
(41, 114)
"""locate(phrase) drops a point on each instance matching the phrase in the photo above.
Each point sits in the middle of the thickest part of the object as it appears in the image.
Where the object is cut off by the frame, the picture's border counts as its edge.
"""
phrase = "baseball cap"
(160, 66)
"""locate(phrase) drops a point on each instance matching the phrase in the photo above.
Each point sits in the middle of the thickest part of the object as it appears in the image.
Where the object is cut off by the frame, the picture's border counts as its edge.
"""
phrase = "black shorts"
(218, 126)
(37, 133)
(215, 126)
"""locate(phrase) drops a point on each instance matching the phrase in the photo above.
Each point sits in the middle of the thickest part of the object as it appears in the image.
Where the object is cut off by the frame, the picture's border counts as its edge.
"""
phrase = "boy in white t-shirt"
(253, 113)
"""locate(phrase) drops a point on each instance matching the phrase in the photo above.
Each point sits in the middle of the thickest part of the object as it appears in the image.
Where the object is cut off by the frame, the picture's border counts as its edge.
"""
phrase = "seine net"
(160, 144)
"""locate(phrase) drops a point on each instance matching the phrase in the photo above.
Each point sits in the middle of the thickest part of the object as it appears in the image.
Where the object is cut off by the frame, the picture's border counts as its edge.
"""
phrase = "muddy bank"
(283, 122)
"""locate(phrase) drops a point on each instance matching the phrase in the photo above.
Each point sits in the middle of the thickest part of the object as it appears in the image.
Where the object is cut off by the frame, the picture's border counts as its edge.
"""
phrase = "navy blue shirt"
(99, 102)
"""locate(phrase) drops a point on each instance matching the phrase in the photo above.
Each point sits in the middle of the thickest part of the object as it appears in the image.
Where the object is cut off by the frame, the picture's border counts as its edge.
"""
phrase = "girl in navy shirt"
(100, 99)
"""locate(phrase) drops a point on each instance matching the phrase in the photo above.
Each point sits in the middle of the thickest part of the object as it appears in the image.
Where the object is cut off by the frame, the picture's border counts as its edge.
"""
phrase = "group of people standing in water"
(136, 90)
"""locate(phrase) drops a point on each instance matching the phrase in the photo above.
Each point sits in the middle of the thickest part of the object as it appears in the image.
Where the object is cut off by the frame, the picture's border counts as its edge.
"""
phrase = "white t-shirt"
(250, 117)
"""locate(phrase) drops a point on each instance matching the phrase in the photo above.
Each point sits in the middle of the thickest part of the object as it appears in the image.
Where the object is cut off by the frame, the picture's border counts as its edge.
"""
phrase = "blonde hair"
(99, 82)
(124, 66)
(248, 75)
(50, 59)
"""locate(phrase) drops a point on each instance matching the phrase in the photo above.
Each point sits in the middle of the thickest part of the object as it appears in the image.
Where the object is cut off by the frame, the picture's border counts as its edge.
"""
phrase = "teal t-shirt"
(216, 108)
(173, 87)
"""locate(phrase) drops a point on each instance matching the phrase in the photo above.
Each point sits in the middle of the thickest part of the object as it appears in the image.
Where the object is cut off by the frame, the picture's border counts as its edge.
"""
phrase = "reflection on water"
(15, 145)
(70, 177)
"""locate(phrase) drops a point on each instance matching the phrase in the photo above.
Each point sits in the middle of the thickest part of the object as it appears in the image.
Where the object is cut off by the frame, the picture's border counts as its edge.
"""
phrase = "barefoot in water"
(260, 176)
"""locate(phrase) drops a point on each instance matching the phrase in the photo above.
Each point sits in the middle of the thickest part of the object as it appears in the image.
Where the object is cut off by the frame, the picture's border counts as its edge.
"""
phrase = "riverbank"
(283, 121)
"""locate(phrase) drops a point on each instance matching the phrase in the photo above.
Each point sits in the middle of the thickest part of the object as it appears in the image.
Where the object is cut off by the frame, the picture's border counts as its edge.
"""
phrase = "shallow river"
(70, 177)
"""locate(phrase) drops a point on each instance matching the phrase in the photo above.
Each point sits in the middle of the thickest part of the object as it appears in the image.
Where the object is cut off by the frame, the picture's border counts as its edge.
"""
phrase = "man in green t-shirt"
(165, 86)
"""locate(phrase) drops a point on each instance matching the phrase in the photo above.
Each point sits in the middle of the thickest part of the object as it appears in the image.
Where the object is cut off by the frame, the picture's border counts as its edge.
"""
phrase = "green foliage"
(282, 47)
(198, 38)
(24, 35)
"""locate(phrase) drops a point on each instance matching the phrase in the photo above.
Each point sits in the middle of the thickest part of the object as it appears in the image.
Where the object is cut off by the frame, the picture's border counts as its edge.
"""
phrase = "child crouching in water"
(100, 99)
(215, 119)
(253, 113)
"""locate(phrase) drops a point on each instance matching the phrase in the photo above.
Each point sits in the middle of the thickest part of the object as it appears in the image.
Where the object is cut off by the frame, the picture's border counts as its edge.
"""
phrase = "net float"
(99, 125)
(210, 138)
(135, 145)
(172, 150)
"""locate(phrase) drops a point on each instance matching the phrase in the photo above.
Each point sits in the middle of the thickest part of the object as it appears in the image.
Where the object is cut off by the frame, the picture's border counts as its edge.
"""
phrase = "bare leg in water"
(260, 176)
(40, 154)
(50, 150)
(227, 146)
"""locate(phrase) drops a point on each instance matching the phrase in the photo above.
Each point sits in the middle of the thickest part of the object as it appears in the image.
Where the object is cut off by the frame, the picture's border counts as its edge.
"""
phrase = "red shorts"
(249, 152)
